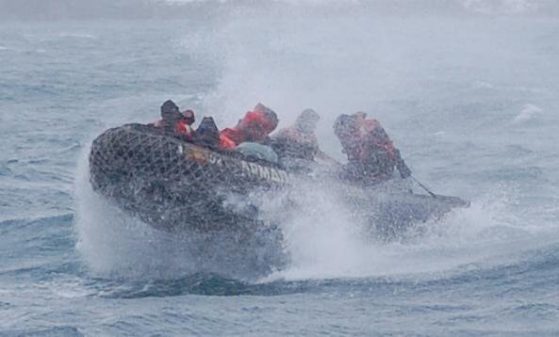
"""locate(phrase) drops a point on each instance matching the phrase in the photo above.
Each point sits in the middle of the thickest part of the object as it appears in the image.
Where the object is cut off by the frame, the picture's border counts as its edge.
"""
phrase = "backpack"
(207, 133)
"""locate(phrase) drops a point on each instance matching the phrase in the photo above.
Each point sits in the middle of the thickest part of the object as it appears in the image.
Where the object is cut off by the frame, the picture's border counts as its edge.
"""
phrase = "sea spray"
(324, 241)
(117, 243)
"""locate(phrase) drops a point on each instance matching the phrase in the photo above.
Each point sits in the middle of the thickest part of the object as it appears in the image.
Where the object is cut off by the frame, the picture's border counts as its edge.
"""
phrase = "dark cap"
(169, 107)
(309, 115)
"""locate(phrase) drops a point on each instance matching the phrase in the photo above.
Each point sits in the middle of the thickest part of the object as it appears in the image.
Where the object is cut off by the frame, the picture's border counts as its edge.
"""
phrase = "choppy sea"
(472, 103)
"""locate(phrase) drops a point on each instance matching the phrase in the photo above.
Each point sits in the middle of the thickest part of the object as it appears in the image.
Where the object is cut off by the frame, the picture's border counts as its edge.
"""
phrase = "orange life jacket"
(229, 138)
(372, 133)
(183, 129)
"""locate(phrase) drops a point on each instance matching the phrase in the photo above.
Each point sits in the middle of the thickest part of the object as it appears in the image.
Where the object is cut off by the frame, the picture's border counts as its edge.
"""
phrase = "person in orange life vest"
(299, 140)
(174, 122)
(375, 133)
(170, 116)
(371, 131)
(255, 126)
(371, 153)
(184, 126)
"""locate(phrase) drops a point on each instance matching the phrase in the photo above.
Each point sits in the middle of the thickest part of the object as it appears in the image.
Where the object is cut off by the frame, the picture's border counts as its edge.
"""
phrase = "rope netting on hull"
(170, 183)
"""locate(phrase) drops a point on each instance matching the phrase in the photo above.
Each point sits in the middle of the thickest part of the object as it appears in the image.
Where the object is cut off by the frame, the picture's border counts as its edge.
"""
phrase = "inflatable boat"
(178, 186)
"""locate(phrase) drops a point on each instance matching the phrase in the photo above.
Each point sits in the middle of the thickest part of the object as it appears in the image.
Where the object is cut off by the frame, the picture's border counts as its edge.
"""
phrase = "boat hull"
(177, 186)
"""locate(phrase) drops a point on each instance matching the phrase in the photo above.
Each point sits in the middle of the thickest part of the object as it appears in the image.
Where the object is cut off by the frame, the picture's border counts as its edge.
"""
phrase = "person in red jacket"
(370, 151)
(373, 133)
(255, 126)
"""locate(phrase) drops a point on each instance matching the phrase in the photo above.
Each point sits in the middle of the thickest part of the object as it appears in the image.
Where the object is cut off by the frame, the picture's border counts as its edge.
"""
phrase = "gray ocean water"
(472, 102)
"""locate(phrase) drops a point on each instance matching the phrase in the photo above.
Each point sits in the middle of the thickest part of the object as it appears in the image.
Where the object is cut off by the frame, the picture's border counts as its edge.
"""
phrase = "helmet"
(345, 124)
(360, 114)
(309, 114)
(306, 122)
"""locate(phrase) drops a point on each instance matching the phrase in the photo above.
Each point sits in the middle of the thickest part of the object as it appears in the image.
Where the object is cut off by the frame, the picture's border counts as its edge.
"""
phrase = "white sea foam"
(77, 35)
(528, 112)
(502, 6)
(116, 244)
(112, 242)
(324, 244)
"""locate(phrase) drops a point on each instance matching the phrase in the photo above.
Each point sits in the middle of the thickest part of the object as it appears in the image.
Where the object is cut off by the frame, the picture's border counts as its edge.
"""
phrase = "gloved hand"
(404, 170)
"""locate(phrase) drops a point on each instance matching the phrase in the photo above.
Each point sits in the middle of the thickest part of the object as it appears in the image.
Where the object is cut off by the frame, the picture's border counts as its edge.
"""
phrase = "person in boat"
(175, 123)
(299, 140)
(170, 116)
(371, 154)
(255, 127)
(184, 126)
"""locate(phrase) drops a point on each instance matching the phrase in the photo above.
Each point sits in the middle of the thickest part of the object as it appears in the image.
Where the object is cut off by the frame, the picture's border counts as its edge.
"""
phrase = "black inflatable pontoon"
(176, 186)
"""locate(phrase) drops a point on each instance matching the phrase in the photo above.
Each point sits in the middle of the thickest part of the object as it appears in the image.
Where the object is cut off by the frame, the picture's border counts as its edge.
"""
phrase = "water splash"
(117, 244)
(324, 244)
